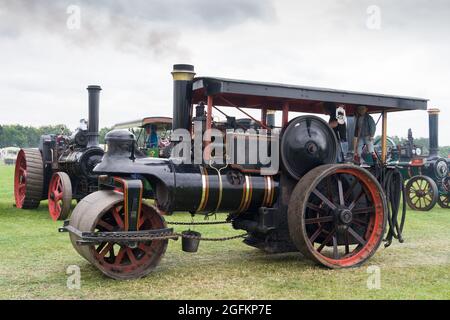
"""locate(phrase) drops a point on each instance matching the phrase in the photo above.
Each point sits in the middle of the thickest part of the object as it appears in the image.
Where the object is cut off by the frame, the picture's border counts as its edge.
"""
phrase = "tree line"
(20, 136)
(28, 137)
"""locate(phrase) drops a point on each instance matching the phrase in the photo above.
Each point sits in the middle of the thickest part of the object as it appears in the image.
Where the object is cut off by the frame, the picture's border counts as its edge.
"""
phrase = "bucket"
(188, 244)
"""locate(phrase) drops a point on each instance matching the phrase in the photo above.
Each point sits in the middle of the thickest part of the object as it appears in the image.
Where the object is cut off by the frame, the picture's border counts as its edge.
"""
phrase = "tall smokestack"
(94, 100)
(270, 118)
(183, 76)
(433, 127)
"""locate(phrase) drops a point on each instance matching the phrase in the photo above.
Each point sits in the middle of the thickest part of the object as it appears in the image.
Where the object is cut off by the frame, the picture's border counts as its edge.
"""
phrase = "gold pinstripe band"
(266, 191)
(219, 201)
(249, 191)
(205, 190)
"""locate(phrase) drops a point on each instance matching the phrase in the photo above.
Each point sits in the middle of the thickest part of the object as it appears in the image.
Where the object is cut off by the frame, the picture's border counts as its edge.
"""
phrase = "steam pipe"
(433, 127)
(94, 106)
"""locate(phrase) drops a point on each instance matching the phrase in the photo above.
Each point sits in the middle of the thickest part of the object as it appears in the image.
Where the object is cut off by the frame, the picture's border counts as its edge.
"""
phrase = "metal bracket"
(132, 195)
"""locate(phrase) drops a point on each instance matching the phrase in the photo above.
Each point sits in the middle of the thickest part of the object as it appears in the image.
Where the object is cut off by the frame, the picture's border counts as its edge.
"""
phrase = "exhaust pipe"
(433, 127)
(93, 124)
(183, 76)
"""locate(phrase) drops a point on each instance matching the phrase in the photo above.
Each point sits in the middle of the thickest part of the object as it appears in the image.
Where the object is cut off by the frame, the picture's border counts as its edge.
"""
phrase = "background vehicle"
(61, 169)
(426, 176)
(9, 155)
(143, 129)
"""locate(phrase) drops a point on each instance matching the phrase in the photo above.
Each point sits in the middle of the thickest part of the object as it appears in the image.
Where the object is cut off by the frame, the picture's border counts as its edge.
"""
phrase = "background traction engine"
(61, 169)
(427, 176)
(334, 214)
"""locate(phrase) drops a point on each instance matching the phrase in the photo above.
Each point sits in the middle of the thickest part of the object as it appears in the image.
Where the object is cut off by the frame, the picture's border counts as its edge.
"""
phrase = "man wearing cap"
(337, 123)
(365, 128)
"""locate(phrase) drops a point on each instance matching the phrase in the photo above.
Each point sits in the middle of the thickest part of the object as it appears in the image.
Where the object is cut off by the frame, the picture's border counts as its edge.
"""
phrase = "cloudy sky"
(48, 56)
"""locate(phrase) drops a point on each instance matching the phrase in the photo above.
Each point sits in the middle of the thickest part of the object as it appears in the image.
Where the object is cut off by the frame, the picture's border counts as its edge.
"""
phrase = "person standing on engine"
(339, 126)
(365, 128)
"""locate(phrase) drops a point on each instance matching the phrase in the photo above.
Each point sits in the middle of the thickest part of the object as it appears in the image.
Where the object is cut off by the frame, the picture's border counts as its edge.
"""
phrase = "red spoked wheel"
(59, 196)
(421, 193)
(28, 179)
(337, 215)
(103, 211)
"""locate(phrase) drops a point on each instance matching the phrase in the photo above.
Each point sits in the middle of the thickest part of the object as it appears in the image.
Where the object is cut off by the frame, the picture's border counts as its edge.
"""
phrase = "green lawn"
(34, 258)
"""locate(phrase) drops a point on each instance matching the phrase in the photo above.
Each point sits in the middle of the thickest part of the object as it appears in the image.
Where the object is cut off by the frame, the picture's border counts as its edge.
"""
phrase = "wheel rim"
(444, 201)
(122, 261)
(343, 216)
(420, 194)
(20, 179)
(59, 196)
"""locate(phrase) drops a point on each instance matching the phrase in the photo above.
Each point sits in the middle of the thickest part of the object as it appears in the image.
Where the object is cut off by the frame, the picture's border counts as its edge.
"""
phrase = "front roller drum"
(28, 179)
(59, 196)
(421, 193)
(104, 211)
(337, 215)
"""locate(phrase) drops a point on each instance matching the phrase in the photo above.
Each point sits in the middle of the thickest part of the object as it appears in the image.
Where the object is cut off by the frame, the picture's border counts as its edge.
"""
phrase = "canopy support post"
(285, 118)
(384, 138)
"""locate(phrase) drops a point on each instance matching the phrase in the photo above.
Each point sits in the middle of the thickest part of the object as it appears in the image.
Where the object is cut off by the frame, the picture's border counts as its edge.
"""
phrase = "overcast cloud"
(128, 47)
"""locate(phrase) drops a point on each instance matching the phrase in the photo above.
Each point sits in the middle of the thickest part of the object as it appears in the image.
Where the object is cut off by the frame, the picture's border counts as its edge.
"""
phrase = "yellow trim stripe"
(248, 197)
(205, 187)
(219, 201)
(183, 76)
(272, 191)
(244, 192)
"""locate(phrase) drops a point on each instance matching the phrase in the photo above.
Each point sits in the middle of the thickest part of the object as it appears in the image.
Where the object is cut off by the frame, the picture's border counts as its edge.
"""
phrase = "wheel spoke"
(341, 192)
(319, 220)
(364, 210)
(327, 239)
(316, 234)
(356, 236)
(316, 208)
(106, 225)
(105, 250)
(353, 204)
(119, 256)
(347, 244)
(324, 199)
(117, 217)
(350, 190)
(335, 248)
(131, 256)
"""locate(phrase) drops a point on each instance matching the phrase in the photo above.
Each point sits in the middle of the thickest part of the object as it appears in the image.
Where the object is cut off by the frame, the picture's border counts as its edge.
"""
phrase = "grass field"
(34, 258)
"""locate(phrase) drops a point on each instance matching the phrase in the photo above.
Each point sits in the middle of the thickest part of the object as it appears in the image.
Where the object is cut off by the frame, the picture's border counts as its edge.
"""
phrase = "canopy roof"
(160, 122)
(253, 94)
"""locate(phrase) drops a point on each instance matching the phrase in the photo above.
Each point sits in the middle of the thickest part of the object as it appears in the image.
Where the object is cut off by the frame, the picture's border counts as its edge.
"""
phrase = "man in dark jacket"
(365, 128)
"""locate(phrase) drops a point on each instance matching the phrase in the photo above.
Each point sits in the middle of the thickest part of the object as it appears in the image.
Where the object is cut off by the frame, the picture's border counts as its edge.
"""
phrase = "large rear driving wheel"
(421, 193)
(104, 211)
(337, 215)
(28, 179)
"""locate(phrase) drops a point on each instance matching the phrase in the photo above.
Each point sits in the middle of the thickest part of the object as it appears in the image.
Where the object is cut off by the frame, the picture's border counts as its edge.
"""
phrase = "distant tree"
(27, 137)
(102, 134)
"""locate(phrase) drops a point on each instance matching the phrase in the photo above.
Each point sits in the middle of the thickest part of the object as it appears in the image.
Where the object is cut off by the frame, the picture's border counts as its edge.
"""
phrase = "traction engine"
(427, 176)
(61, 168)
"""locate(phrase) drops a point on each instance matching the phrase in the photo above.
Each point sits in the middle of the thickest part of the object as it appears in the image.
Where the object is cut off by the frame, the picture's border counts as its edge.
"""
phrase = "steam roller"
(302, 200)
